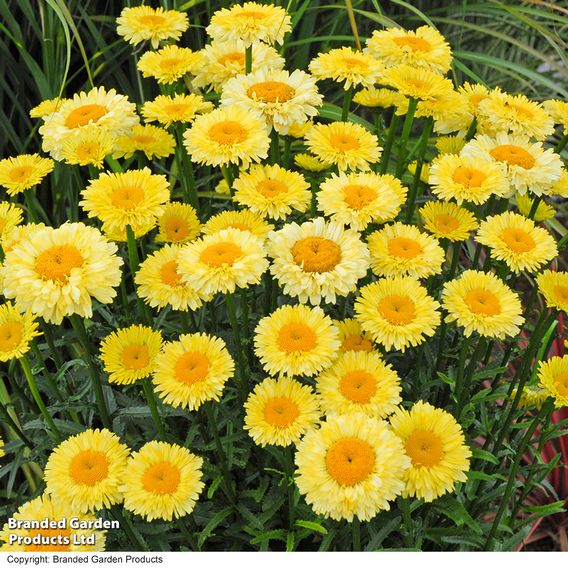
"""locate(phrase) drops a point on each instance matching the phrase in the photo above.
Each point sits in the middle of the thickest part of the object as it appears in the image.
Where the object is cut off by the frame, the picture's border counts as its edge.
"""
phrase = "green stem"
(248, 59)
(229, 301)
(12, 424)
(347, 96)
(356, 529)
(561, 144)
(229, 178)
(534, 206)
(407, 518)
(471, 130)
(134, 261)
(314, 200)
(406, 127)
(149, 394)
(388, 144)
(133, 535)
(290, 486)
(274, 147)
(32, 214)
(287, 149)
(419, 163)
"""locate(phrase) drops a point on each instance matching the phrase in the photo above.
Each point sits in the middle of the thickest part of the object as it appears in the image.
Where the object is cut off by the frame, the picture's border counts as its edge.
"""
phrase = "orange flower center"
(562, 293)
(271, 92)
(89, 467)
(220, 254)
(316, 254)
(281, 411)
(135, 357)
(513, 155)
(359, 196)
(230, 58)
(192, 367)
(414, 43)
(523, 112)
(84, 115)
(142, 139)
(356, 343)
(227, 132)
(354, 64)
(297, 337)
(418, 84)
(20, 174)
(482, 302)
(49, 534)
(170, 64)
(424, 448)
(176, 228)
(88, 152)
(127, 197)
(253, 14)
(161, 478)
(476, 99)
(57, 262)
(397, 309)
(402, 247)
(468, 177)
(344, 142)
(517, 240)
(169, 274)
(271, 187)
(152, 20)
(11, 334)
(175, 109)
(358, 386)
(445, 223)
(350, 461)
(561, 383)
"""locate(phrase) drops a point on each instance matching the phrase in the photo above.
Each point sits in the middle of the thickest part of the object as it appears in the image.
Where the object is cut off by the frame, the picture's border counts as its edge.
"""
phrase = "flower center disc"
(397, 309)
(513, 155)
(169, 274)
(271, 92)
(424, 448)
(271, 187)
(468, 177)
(296, 337)
(253, 14)
(561, 382)
(175, 109)
(89, 467)
(84, 115)
(57, 262)
(169, 63)
(414, 43)
(350, 461)
(10, 335)
(233, 58)
(359, 196)
(445, 223)
(483, 302)
(152, 20)
(344, 142)
(358, 64)
(176, 228)
(517, 240)
(221, 254)
(358, 386)
(49, 534)
(404, 248)
(135, 357)
(142, 139)
(356, 343)
(20, 173)
(316, 254)
(281, 411)
(89, 151)
(161, 478)
(127, 197)
(227, 132)
(192, 367)
(523, 112)
(562, 293)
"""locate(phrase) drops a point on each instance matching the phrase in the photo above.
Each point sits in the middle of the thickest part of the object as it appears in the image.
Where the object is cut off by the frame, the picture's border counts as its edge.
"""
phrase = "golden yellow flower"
(517, 241)
(423, 48)
(272, 191)
(17, 331)
(449, 111)
(435, 443)
(448, 221)
(228, 135)
(558, 110)
(47, 108)
(244, 220)
(162, 481)
(144, 23)
(531, 397)
(554, 287)
(449, 144)
(85, 471)
(543, 212)
(296, 340)
(344, 144)
(424, 172)
(168, 64)
(280, 411)
(178, 224)
(89, 147)
(480, 302)
(22, 172)
(133, 197)
(352, 336)
(155, 142)
(56, 272)
(16, 234)
(129, 354)
(417, 83)
(10, 218)
(553, 376)
(397, 312)
(176, 108)
(474, 94)
(310, 163)
(2, 452)
(192, 370)
(300, 129)
(383, 98)
(351, 467)
(317, 260)
(560, 187)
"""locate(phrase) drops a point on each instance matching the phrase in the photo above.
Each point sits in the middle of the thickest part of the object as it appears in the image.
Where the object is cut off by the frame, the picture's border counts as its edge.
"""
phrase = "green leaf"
(316, 527)
(480, 454)
(213, 524)
(279, 534)
(454, 510)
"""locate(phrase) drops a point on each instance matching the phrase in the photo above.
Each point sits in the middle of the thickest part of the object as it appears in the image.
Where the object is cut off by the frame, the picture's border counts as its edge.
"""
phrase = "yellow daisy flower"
(531, 397)
(24, 171)
(168, 64)
(374, 97)
(553, 376)
(155, 142)
(64, 539)
(543, 211)
(162, 481)
(359, 381)
(474, 94)
(352, 336)
(296, 340)
(449, 112)
(558, 110)
(17, 331)
(423, 48)
(527, 165)
(517, 241)
(176, 108)
(228, 135)
(56, 272)
(554, 287)
(300, 129)
(280, 411)
(281, 98)
(192, 370)
(178, 224)
(435, 443)
(417, 83)
(245, 220)
(2, 452)
(159, 284)
(480, 302)
(348, 66)
(360, 198)
(310, 163)
(222, 262)
(351, 467)
(250, 22)
(403, 250)
(129, 354)
(317, 260)
(144, 23)
(272, 191)
(16, 234)
(560, 187)
(449, 144)
(467, 178)
(397, 312)
(10, 218)
(134, 197)
(89, 147)
(424, 172)
(85, 471)
(47, 107)
(344, 144)
(446, 220)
